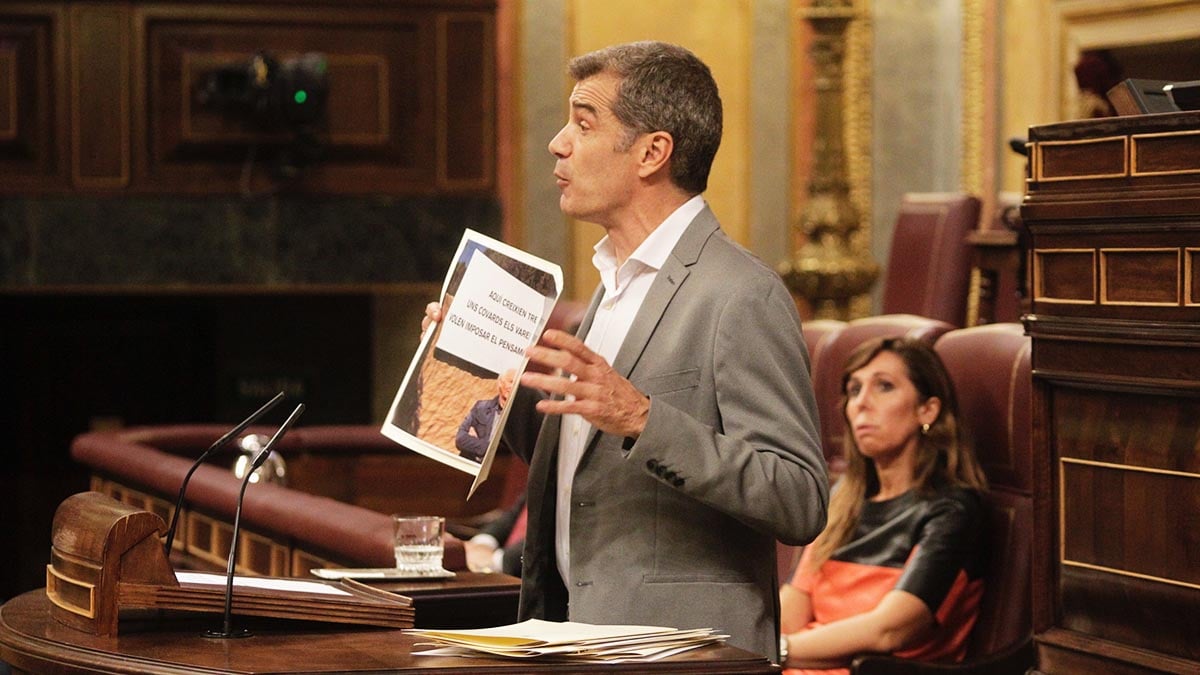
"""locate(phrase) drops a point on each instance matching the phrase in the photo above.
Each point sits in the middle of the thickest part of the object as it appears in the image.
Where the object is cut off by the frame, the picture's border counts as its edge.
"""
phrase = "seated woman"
(897, 569)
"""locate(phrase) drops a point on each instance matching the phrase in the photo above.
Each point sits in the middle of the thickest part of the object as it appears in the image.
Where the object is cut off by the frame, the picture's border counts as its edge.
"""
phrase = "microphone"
(227, 629)
(211, 449)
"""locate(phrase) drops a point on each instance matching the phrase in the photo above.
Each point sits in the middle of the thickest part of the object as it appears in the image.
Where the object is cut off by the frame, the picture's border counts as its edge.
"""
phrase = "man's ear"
(655, 148)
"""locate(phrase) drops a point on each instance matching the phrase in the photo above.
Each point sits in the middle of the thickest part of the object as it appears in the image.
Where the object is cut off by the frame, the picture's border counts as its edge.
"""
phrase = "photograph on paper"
(451, 405)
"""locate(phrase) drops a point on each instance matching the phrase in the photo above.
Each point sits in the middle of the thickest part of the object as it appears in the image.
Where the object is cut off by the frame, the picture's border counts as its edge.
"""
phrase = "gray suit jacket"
(679, 528)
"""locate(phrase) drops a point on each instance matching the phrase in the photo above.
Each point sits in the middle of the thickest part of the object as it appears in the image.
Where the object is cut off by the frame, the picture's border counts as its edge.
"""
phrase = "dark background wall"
(168, 259)
(133, 312)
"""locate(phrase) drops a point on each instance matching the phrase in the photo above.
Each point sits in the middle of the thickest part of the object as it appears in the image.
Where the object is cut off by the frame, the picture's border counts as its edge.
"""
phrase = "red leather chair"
(929, 267)
(817, 332)
(990, 367)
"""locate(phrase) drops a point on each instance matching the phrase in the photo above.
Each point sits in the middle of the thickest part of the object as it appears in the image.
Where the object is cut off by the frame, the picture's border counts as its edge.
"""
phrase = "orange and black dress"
(931, 547)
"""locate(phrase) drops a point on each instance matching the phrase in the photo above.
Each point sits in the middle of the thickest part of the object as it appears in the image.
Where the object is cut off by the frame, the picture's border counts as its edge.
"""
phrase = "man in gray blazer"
(659, 484)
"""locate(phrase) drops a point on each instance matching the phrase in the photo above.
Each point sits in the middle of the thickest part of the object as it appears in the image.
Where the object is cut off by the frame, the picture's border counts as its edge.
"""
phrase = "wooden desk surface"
(31, 641)
(469, 600)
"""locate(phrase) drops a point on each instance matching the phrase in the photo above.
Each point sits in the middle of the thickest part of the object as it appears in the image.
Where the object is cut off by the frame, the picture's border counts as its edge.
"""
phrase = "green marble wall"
(71, 241)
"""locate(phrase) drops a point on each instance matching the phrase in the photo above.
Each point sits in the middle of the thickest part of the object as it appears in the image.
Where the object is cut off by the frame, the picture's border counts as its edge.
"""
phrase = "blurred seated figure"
(898, 569)
(475, 433)
(498, 546)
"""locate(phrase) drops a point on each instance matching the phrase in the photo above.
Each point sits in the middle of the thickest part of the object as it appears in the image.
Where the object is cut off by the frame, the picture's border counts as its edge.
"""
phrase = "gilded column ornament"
(832, 266)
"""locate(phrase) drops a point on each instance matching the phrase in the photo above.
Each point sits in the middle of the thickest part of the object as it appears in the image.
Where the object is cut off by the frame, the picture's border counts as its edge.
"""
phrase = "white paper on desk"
(635, 656)
(496, 301)
(536, 632)
(535, 638)
(269, 583)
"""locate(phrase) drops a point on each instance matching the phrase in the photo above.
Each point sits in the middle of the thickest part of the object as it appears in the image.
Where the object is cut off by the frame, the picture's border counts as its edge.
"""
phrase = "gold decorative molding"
(859, 120)
(974, 99)
(832, 268)
(858, 116)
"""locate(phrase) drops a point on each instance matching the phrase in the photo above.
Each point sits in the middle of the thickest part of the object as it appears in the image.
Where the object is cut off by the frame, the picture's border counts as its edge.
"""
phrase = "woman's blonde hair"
(944, 457)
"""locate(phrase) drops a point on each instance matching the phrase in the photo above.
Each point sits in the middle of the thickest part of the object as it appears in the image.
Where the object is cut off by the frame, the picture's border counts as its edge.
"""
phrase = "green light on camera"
(300, 96)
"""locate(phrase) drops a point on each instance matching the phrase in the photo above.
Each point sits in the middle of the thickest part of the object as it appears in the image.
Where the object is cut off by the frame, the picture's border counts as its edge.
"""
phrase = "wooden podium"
(107, 557)
(1113, 209)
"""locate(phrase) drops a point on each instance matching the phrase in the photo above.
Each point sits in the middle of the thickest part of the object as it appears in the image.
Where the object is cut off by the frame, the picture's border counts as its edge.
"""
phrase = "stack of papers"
(576, 641)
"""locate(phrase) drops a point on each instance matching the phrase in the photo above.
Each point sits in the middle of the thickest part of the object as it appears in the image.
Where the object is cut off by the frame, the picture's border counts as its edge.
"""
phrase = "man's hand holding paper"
(594, 391)
(494, 304)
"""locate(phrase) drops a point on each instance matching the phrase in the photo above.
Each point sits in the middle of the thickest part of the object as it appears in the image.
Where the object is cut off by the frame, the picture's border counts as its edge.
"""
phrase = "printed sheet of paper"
(496, 301)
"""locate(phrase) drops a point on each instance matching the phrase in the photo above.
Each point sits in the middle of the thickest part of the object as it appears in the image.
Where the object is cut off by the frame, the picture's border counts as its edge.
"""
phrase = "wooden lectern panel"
(1113, 210)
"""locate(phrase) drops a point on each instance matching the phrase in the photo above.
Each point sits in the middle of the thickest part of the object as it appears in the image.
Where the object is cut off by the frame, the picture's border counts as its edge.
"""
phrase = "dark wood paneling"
(1170, 153)
(376, 141)
(378, 482)
(100, 97)
(1142, 269)
(466, 101)
(1105, 361)
(1151, 432)
(1141, 276)
(1116, 395)
(8, 91)
(1064, 651)
(1072, 160)
(1127, 610)
(103, 96)
(1064, 275)
(32, 97)
(1096, 534)
(389, 68)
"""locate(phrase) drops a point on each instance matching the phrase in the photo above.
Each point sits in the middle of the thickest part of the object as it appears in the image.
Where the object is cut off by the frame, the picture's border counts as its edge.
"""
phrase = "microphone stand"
(211, 449)
(227, 628)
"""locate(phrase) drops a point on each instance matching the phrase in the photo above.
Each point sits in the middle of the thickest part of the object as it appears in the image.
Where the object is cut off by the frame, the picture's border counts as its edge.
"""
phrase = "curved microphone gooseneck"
(227, 628)
(211, 449)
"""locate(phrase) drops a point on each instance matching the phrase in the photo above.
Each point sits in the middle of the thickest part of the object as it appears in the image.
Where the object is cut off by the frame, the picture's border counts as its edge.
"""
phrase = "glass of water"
(418, 542)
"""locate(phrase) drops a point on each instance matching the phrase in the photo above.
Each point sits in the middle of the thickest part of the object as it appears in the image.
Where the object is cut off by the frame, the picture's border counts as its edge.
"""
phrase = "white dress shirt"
(625, 287)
